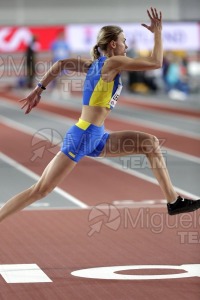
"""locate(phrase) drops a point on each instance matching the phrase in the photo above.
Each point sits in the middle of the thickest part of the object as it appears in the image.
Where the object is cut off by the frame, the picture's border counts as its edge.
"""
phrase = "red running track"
(58, 242)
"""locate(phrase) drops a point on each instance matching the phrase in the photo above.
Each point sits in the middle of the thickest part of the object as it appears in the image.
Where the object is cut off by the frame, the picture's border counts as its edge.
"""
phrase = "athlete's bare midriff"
(94, 114)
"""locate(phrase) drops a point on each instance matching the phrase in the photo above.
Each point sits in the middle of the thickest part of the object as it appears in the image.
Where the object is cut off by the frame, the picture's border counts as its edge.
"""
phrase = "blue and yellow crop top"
(96, 91)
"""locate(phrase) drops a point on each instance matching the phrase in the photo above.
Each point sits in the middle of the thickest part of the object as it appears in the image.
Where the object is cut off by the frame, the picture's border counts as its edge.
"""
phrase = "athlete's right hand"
(31, 100)
(156, 20)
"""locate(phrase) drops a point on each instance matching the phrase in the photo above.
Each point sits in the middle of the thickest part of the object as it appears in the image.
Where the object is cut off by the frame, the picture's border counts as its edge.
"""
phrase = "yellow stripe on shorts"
(71, 154)
(83, 124)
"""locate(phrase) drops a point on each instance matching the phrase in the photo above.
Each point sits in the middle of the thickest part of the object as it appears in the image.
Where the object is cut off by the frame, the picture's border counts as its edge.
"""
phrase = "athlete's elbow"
(155, 63)
(59, 65)
(158, 64)
(62, 63)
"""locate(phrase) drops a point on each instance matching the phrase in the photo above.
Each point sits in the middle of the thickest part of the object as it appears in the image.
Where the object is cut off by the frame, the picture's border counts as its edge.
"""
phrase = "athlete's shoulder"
(115, 62)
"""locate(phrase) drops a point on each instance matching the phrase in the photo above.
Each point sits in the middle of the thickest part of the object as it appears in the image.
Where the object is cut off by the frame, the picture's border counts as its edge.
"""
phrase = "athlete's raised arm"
(154, 61)
(78, 64)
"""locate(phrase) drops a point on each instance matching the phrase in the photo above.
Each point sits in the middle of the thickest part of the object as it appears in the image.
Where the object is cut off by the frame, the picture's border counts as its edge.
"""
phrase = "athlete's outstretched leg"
(53, 174)
(134, 142)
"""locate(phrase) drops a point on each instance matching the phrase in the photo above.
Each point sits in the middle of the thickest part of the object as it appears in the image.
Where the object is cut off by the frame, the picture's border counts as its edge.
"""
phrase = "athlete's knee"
(151, 145)
(42, 190)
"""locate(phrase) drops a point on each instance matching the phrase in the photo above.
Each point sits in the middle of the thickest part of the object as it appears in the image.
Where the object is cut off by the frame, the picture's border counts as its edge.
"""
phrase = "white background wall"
(20, 12)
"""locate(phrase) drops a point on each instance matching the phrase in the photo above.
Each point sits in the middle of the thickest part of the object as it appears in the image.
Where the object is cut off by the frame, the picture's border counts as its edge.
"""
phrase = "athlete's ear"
(113, 44)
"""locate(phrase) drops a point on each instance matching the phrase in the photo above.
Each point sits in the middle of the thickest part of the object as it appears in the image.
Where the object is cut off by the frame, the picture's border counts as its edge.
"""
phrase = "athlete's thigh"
(122, 143)
(60, 166)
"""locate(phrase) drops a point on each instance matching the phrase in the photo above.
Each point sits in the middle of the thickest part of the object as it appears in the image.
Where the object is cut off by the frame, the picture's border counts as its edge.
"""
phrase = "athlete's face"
(121, 46)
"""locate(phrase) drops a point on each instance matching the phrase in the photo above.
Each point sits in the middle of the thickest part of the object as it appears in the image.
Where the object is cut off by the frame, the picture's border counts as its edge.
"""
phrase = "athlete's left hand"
(31, 100)
(156, 20)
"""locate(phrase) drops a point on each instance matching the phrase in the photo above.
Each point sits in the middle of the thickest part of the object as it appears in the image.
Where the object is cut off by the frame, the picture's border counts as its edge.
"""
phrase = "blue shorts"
(84, 139)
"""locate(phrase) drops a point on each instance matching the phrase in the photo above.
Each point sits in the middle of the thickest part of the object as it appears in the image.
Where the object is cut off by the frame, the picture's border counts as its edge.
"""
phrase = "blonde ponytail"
(95, 52)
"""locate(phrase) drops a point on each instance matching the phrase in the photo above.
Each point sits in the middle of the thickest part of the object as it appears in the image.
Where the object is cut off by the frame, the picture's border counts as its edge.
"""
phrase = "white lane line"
(156, 126)
(161, 105)
(21, 127)
(69, 122)
(34, 176)
(182, 155)
(38, 112)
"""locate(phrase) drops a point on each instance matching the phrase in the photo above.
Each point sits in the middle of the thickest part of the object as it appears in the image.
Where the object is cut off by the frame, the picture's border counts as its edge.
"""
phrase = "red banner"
(14, 39)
